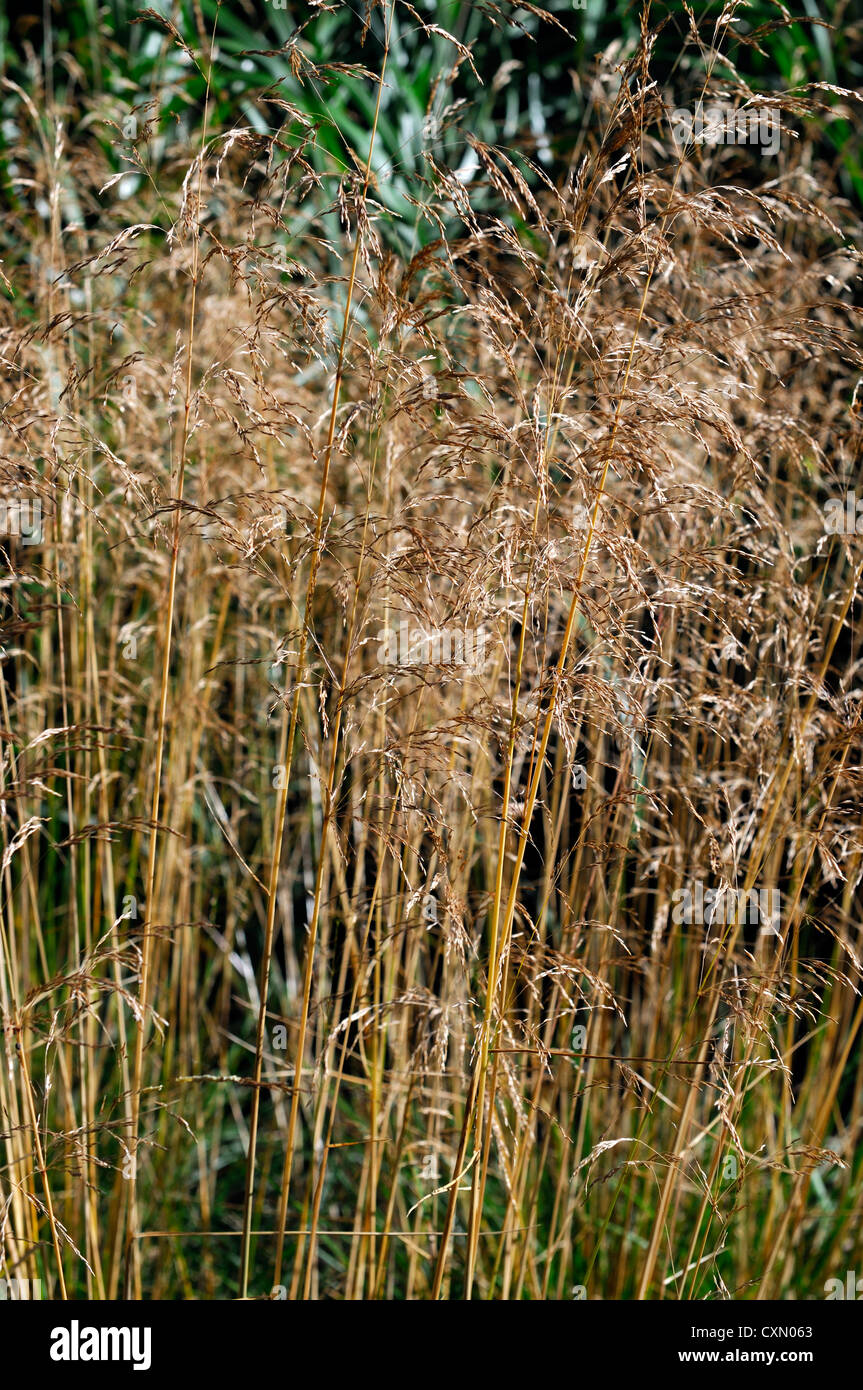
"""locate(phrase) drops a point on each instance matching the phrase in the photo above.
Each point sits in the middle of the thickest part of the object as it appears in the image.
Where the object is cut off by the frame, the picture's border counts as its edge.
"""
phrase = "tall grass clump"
(429, 697)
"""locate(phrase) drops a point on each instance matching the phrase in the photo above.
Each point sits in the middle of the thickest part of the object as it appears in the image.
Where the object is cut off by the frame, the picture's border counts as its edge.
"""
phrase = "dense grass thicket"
(430, 695)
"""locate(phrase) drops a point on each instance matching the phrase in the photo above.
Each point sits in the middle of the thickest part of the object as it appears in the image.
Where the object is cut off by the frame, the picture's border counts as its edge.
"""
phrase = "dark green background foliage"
(534, 91)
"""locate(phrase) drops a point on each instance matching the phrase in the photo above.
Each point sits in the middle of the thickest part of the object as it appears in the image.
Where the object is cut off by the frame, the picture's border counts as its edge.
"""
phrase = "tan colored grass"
(596, 422)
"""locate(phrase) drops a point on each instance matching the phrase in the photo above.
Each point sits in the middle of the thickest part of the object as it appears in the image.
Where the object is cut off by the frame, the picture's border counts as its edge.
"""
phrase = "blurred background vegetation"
(532, 64)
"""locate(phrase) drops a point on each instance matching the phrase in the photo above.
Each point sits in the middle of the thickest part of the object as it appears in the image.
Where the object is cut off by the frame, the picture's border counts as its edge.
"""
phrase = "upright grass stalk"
(281, 808)
(133, 1254)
